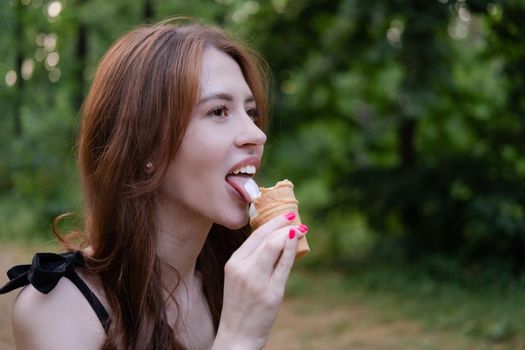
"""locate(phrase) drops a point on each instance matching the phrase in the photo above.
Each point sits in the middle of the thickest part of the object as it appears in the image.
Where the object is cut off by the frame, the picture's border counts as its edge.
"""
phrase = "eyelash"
(253, 113)
(223, 110)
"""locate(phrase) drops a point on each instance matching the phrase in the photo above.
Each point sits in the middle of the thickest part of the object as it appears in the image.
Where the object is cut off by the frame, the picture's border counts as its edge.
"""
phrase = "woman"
(174, 111)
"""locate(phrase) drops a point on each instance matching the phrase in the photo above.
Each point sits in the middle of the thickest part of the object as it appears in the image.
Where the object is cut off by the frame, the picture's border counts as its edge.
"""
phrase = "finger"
(268, 253)
(262, 233)
(286, 260)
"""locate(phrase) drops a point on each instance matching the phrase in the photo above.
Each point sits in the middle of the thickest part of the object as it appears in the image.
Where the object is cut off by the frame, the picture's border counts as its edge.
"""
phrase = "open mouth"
(238, 178)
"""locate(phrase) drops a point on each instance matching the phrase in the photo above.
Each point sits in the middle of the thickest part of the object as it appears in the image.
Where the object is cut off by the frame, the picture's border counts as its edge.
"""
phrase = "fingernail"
(291, 235)
(290, 216)
(303, 228)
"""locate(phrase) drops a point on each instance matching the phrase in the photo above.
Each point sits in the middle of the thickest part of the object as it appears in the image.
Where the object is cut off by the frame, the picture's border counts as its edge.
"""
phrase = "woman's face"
(221, 139)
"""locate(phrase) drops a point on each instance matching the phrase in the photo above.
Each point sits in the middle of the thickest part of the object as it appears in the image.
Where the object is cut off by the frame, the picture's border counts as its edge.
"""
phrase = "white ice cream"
(253, 190)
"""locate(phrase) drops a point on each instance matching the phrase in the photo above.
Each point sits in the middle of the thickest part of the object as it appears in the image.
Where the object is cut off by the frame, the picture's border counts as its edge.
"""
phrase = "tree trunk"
(148, 10)
(19, 85)
(81, 61)
(406, 135)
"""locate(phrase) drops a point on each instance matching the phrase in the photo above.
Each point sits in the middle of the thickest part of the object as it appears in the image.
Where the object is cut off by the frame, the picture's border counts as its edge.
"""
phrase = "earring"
(149, 167)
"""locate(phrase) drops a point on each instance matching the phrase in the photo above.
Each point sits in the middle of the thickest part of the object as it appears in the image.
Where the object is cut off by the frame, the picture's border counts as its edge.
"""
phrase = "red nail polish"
(291, 235)
(303, 228)
(290, 216)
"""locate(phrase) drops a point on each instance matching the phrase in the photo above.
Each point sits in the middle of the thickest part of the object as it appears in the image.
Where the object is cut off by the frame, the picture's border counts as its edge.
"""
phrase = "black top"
(44, 273)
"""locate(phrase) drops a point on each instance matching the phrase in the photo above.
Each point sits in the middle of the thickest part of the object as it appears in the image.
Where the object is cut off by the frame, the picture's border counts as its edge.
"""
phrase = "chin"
(236, 223)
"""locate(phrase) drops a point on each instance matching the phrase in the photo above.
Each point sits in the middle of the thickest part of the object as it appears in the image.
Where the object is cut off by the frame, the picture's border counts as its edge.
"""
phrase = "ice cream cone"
(278, 200)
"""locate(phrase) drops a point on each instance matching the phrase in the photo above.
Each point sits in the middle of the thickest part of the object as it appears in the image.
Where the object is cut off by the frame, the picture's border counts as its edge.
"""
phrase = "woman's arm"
(255, 279)
(61, 319)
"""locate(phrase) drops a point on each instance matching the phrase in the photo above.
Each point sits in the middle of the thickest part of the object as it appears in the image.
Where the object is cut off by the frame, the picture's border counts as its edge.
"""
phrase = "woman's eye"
(253, 113)
(221, 111)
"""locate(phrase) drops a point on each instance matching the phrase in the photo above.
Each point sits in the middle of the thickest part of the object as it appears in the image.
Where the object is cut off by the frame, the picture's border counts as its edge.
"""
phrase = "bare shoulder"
(61, 319)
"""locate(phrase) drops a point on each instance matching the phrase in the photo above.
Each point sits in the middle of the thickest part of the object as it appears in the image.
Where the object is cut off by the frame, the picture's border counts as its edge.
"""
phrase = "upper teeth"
(248, 169)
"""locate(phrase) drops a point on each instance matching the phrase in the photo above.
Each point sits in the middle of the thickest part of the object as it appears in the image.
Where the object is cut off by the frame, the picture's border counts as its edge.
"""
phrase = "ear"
(149, 168)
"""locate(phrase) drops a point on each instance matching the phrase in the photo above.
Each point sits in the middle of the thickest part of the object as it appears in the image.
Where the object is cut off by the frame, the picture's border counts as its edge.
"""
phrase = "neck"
(181, 236)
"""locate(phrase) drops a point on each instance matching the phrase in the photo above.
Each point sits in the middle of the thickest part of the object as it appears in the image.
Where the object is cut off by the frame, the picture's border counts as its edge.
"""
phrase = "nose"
(250, 134)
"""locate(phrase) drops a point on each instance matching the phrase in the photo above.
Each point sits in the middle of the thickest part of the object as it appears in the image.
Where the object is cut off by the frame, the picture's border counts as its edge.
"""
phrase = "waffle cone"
(275, 201)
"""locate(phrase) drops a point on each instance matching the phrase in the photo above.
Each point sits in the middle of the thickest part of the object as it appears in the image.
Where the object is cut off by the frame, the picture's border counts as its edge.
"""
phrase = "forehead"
(221, 73)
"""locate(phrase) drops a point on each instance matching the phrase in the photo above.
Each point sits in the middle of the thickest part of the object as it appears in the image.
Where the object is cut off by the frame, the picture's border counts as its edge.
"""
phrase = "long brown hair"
(136, 112)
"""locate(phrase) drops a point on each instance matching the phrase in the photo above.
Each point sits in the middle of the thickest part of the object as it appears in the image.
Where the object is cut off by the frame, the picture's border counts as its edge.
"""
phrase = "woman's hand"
(254, 283)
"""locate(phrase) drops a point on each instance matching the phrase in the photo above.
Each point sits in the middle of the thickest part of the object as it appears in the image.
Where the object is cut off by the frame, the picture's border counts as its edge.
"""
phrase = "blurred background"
(401, 123)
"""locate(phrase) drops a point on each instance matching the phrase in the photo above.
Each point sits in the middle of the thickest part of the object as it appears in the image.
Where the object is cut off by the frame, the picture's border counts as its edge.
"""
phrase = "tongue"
(239, 182)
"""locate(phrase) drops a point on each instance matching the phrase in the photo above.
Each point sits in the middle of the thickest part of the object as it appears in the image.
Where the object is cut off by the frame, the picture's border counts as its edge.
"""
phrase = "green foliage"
(424, 144)
(400, 122)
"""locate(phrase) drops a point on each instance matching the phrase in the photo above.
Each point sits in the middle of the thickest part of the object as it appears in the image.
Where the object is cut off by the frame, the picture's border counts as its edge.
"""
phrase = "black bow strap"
(44, 272)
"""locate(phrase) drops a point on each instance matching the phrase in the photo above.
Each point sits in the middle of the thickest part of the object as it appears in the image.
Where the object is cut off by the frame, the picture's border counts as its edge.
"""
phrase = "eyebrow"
(223, 96)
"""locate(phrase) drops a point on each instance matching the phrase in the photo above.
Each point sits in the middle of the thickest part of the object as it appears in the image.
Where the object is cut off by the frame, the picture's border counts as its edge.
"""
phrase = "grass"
(491, 314)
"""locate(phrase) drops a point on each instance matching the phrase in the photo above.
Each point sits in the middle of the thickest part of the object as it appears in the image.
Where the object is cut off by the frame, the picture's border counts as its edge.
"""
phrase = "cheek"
(208, 148)
(201, 161)
(196, 167)
(203, 156)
